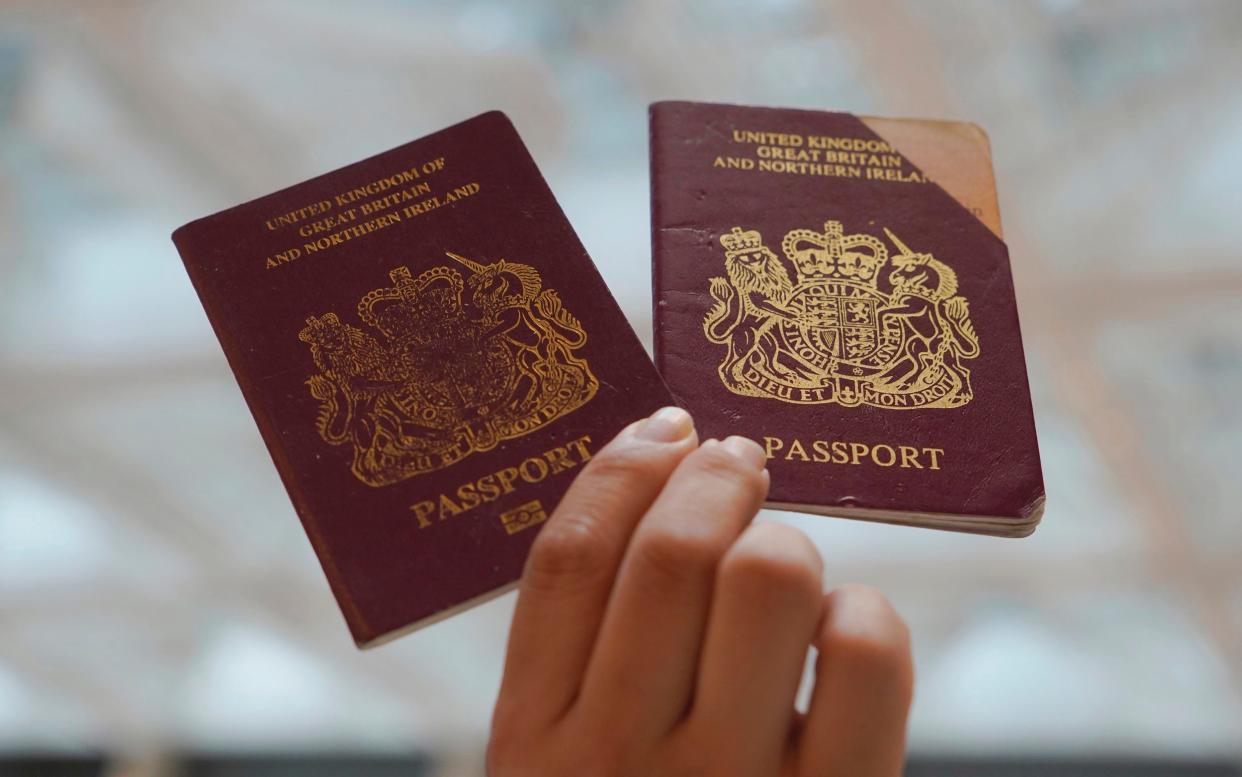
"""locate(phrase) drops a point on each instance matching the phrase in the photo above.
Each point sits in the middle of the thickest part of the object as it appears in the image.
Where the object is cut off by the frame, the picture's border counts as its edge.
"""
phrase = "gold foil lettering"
(364, 209)
(853, 453)
(507, 480)
(796, 449)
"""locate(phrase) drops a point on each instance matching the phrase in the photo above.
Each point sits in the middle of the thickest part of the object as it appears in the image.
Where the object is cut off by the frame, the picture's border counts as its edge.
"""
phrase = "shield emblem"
(838, 319)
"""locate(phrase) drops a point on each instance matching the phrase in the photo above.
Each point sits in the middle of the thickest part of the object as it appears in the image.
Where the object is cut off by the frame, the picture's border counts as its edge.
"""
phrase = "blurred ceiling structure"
(156, 591)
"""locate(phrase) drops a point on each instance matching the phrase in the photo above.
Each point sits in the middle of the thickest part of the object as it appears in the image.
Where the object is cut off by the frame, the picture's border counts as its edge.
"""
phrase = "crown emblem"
(833, 255)
(322, 330)
(413, 308)
(739, 242)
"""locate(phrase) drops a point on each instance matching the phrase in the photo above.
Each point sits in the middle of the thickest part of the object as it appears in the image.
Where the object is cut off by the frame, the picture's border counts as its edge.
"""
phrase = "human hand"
(657, 633)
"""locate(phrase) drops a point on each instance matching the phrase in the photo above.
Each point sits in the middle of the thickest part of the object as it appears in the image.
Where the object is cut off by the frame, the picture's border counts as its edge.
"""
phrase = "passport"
(430, 356)
(836, 288)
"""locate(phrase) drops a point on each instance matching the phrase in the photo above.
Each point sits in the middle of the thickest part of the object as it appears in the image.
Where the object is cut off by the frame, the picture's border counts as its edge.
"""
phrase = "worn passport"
(430, 355)
(836, 288)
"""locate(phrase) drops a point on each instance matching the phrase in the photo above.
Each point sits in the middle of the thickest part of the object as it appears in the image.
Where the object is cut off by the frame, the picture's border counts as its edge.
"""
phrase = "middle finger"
(642, 675)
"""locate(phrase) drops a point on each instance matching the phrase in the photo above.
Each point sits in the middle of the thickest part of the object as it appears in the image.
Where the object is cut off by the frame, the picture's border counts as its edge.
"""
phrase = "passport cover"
(430, 355)
(815, 290)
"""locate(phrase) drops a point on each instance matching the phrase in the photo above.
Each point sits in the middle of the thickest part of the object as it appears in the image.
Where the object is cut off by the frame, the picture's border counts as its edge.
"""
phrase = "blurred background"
(161, 611)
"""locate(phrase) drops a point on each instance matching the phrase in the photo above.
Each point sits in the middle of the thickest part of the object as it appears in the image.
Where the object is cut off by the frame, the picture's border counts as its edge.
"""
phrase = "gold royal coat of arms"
(460, 365)
(836, 334)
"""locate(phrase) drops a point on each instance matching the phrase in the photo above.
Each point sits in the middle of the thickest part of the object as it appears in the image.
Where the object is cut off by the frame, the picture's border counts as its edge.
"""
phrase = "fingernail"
(668, 424)
(747, 450)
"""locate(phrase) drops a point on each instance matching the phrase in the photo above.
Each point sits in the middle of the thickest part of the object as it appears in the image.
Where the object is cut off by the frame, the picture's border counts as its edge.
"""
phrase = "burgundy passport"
(430, 355)
(814, 290)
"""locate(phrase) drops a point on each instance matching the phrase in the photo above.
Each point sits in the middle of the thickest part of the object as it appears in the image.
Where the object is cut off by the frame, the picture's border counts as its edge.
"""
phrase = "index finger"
(570, 570)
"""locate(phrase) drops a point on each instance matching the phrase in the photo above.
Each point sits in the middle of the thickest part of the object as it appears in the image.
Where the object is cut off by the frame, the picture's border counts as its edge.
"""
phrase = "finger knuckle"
(622, 465)
(727, 471)
(776, 559)
(866, 650)
(866, 632)
(569, 547)
(671, 556)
